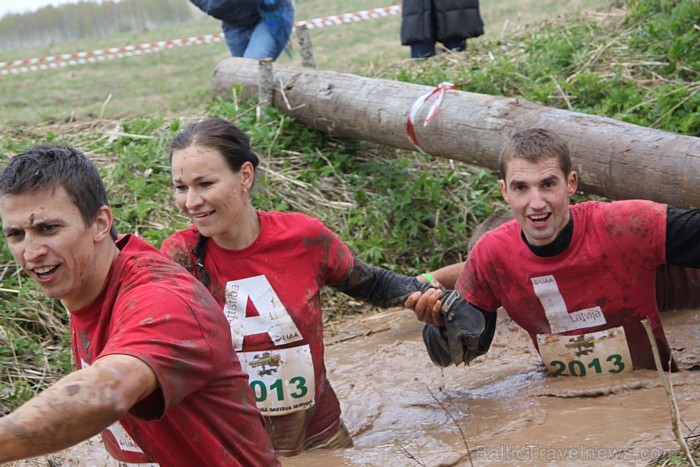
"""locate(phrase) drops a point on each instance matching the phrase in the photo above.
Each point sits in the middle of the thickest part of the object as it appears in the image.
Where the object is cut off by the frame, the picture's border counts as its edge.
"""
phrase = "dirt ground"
(501, 410)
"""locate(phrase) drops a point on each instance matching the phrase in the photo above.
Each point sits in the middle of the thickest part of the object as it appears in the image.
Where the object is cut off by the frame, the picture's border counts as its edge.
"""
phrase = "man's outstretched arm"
(76, 407)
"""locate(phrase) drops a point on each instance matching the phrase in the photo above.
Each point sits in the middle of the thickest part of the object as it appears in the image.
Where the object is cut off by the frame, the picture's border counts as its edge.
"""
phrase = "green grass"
(642, 69)
(500, 17)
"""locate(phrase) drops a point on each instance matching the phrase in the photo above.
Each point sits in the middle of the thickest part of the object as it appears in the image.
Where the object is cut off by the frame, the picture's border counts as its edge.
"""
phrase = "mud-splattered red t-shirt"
(203, 412)
(269, 293)
(605, 279)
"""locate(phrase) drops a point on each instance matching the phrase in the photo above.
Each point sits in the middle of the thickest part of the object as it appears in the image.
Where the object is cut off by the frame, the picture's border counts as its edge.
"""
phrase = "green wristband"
(428, 276)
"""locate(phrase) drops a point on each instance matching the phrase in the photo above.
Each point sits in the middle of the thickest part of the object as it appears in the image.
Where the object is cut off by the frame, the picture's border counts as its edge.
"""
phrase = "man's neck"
(555, 247)
(105, 254)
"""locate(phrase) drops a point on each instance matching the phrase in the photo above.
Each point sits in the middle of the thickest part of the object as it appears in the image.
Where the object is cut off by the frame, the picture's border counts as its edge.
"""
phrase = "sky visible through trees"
(28, 6)
(86, 19)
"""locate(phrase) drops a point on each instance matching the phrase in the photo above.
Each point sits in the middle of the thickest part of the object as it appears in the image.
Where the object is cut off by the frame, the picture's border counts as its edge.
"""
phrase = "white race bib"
(559, 318)
(126, 442)
(282, 380)
(274, 320)
(595, 353)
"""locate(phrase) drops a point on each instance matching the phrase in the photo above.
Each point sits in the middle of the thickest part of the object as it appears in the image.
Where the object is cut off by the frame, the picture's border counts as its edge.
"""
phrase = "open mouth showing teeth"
(45, 272)
(539, 218)
(202, 214)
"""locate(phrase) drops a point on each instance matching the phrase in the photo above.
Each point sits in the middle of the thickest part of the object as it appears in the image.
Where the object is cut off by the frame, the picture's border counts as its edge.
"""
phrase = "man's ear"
(103, 223)
(571, 183)
(504, 191)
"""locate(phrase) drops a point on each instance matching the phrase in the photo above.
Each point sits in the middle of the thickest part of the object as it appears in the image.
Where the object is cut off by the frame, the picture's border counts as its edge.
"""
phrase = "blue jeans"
(255, 41)
(427, 48)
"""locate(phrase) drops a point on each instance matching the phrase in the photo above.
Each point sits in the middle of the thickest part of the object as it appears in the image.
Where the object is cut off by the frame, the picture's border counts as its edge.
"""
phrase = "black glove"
(458, 341)
(435, 339)
(464, 324)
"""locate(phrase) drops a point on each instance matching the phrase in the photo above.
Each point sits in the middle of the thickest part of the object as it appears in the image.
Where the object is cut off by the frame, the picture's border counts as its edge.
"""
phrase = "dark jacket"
(440, 20)
(234, 12)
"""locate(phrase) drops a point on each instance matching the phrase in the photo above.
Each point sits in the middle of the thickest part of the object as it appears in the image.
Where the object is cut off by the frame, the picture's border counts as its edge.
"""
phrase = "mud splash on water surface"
(402, 410)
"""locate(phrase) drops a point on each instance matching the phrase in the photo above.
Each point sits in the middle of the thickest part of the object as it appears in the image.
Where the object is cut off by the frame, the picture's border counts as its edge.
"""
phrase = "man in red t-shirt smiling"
(157, 374)
(578, 278)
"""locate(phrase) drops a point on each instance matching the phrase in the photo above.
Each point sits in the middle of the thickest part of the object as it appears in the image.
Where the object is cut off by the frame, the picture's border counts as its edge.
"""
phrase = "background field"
(176, 81)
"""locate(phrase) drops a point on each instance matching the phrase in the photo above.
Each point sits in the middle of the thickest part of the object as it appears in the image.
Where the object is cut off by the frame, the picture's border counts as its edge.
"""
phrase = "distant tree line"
(86, 19)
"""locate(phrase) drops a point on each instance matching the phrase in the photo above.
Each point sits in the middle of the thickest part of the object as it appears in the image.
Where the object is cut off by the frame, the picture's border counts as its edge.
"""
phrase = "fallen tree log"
(613, 159)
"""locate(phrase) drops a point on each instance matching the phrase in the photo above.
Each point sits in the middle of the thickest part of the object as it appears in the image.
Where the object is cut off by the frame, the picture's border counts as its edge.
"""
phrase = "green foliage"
(138, 180)
(33, 339)
(678, 457)
(667, 28)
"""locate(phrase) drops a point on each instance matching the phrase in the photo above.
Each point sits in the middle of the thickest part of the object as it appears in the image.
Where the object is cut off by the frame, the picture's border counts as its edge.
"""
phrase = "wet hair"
(535, 145)
(46, 167)
(232, 143)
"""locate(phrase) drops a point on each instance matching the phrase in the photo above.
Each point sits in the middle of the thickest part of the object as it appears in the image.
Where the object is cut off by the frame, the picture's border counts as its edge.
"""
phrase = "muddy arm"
(379, 287)
(78, 406)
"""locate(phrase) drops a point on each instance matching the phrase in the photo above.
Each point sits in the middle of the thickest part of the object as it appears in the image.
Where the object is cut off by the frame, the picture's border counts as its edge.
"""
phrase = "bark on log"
(613, 159)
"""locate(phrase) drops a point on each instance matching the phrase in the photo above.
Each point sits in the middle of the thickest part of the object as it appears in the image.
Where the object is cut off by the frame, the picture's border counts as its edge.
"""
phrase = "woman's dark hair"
(46, 167)
(233, 144)
(221, 135)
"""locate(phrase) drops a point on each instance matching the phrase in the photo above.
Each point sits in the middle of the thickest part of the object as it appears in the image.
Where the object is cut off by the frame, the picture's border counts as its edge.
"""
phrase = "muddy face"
(211, 194)
(538, 194)
(49, 239)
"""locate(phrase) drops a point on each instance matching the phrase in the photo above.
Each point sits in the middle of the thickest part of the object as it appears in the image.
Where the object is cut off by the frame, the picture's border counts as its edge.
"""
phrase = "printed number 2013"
(578, 368)
(261, 391)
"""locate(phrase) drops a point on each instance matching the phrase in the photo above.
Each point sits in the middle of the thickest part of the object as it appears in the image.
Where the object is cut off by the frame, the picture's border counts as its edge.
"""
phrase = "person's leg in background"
(423, 49)
(458, 45)
(261, 44)
(237, 38)
(426, 48)
(271, 34)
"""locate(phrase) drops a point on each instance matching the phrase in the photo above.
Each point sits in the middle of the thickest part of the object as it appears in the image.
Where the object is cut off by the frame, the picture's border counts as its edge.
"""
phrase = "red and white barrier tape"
(350, 17)
(126, 51)
(440, 90)
(78, 58)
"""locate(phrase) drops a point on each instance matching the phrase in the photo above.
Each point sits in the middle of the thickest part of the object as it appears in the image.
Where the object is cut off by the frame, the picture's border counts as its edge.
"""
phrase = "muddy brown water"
(501, 410)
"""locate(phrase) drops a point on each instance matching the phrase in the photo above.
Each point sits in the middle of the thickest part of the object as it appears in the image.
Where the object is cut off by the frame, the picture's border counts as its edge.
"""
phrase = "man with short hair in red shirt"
(578, 278)
(157, 374)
